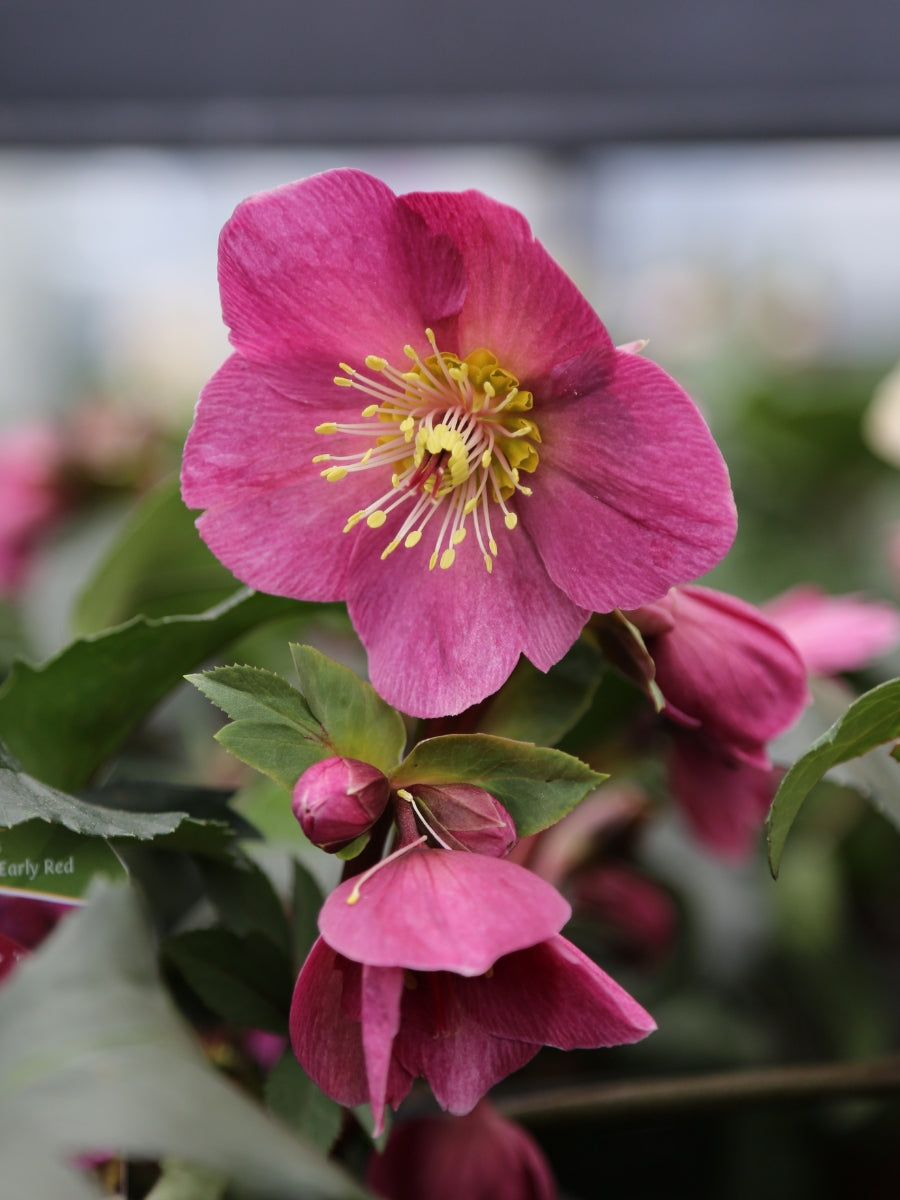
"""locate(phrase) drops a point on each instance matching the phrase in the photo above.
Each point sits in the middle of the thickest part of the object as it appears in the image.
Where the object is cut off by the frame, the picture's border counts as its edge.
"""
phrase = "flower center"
(453, 435)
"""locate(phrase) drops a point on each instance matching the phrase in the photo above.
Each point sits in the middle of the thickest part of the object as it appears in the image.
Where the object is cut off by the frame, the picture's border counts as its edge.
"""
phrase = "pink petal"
(334, 264)
(631, 494)
(435, 910)
(554, 995)
(834, 633)
(470, 627)
(725, 666)
(724, 797)
(519, 304)
(382, 988)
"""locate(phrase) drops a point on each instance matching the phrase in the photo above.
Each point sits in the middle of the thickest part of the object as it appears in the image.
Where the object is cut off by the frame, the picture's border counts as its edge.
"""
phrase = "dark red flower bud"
(338, 799)
(464, 817)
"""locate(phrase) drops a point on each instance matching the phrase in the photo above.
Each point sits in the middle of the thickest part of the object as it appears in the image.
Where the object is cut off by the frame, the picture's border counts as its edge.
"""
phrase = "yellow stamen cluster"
(452, 434)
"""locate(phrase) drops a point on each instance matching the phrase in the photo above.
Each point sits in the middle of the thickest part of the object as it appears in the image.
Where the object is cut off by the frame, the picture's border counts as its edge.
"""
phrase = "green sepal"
(536, 785)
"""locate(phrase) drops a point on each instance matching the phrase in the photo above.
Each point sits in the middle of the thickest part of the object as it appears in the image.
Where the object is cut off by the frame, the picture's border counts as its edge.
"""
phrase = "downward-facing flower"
(731, 681)
(425, 418)
(447, 965)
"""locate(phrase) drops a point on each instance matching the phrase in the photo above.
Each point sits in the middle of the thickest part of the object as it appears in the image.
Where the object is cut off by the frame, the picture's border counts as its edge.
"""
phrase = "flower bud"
(338, 799)
(465, 817)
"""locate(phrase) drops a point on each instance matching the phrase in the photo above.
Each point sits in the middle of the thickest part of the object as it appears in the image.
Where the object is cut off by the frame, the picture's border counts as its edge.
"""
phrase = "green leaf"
(54, 861)
(359, 723)
(158, 565)
(64, 718)
(281, 732)
(306, 900)
(245, 979)
(536, 785)
(870, 721)
(92, 1056)
(245, 899)
(292, 1095)
(541, 707)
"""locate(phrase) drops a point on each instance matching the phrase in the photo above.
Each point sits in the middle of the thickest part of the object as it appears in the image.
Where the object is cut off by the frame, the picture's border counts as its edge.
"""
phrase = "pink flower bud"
(465, 817)
(338, 799)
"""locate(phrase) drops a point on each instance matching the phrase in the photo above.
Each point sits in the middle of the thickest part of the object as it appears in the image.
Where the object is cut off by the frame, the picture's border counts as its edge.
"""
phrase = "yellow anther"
(351, 521)
(489, 563)
(447, 559)
(488, 389)
(404, 794)
(341, 382)
(370, 410)
(410, 353)
(432, 562)
(510, 520)
(395, 480)
(376, 519)
(322, 458)
(328, 426)
(492, 546)
(348, 370)
(526, 491)
(470, 505)
(333, 474)
(413, 539)
(390, 548)
(407, 425)
(368, 454)
(375, 362)
(486, 459)
(458, 536)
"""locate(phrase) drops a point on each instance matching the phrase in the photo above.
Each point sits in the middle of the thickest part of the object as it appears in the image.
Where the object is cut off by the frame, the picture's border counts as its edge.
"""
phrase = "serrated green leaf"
(244, 979)
(541, 707)
(870, 721)
(93, 1055)
(359, 723)
(292, 1095)
(535, 784)
(274, 749)
(158, 565)
(64, 718)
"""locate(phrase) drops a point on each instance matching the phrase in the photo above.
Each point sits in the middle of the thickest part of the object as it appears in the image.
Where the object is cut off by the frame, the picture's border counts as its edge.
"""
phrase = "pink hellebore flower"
(834, 633)
(481, 410)
(481, 1156)
(338, 799)
(448, 965)
(732, 682)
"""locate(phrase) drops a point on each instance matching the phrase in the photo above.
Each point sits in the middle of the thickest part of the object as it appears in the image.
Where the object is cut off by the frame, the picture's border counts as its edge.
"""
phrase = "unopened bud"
(466, 817)
(338, 799)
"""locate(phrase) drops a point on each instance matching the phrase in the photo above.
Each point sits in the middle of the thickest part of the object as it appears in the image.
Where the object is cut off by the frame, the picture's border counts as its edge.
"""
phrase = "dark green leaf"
(245, 979)
(870, 721)
(64, 718)
(158, 565)
(93, 1056)
(359, 723)
(534, 706)
(293, 1096)
(536, 785)
(306, 902)
(244, 898)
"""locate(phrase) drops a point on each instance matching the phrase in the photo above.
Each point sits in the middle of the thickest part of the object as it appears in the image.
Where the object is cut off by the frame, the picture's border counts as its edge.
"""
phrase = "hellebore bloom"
(732, 681)
(834, 633)
(461, 816)
(338, 799)
(486, 469)
(481, 1156)
(447, 965)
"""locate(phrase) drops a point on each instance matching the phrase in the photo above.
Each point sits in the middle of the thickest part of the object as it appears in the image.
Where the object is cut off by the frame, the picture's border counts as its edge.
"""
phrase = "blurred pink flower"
(834, 633)
(448, 965)
(547, 473)
(732, 681)
(32, 498)
(481, 1156)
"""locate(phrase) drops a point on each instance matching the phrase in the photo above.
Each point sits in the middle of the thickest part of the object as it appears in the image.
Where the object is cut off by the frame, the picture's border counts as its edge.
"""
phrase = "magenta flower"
(834, 633)
(338, 799)
(481, 1156)
(732, 681)
(486, 468)
(446, 965)
(32, 498)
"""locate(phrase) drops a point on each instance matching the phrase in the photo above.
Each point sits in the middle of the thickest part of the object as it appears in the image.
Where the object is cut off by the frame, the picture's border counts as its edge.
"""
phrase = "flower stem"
(722, 1089)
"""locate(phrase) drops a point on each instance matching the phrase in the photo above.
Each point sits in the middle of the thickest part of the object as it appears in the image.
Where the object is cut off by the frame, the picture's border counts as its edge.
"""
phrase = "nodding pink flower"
(32, 497)
(834, 633)
(481, 1156)
(732, 681)
(485, 468)
(446, 965)
(338, 799)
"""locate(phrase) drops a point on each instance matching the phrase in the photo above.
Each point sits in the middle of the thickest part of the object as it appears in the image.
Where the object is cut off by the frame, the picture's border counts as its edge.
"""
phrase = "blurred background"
(719, 177)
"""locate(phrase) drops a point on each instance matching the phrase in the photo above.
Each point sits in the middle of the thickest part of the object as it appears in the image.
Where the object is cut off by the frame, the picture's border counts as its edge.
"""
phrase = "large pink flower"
(486, 469)
(447, 965)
